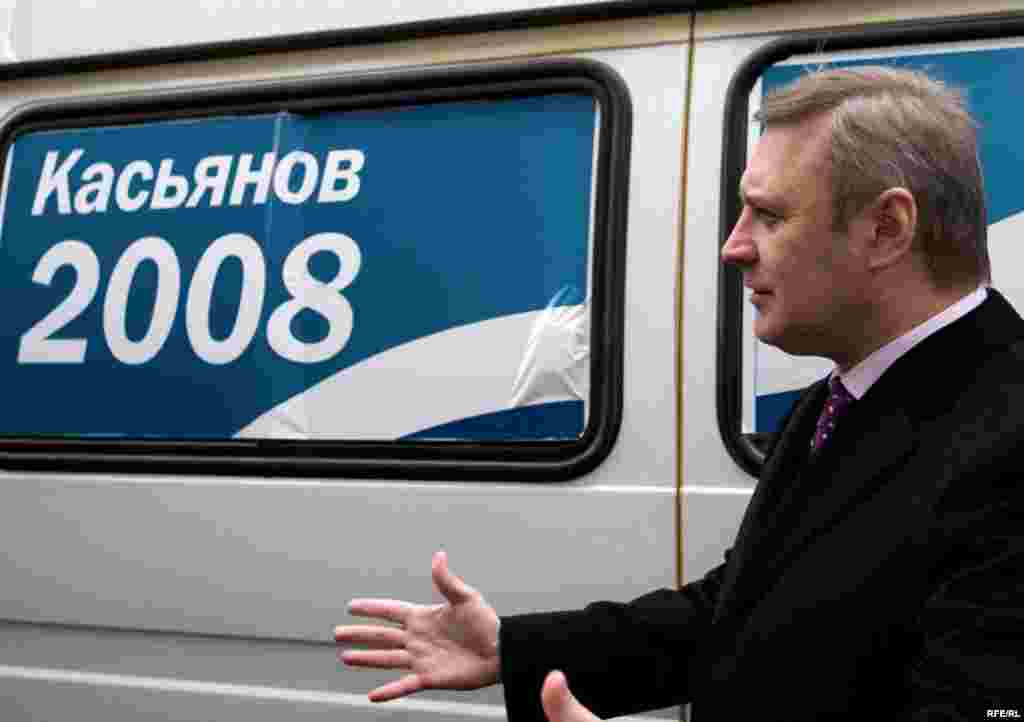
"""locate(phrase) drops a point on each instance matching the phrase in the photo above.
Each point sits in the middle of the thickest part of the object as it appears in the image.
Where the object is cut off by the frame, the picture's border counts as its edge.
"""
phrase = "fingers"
(407, 685)
(452, 587)
(388, 659)
(559, 703)
(392, 610)
(367, 636)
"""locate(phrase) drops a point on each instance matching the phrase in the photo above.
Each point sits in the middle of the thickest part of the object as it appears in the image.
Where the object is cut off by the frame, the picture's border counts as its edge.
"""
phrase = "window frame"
(749, 450)
(510, 461)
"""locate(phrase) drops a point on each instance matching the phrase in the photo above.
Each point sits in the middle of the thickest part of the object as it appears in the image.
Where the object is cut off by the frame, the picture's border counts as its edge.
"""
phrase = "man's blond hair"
(900, 129)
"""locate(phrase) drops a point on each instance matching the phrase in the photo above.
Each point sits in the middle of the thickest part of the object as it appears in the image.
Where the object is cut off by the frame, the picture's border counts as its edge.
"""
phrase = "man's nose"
(739, 248)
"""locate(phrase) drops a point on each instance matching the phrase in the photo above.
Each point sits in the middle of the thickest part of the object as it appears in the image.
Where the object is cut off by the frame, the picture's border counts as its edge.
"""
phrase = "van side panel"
(151, 597)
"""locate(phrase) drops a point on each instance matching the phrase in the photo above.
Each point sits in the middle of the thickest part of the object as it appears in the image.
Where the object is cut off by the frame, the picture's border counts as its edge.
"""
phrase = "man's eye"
(768, 218)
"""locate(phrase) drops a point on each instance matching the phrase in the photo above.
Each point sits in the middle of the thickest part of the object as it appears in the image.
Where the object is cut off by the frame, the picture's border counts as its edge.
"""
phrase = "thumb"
(559, 703)
(454, 589)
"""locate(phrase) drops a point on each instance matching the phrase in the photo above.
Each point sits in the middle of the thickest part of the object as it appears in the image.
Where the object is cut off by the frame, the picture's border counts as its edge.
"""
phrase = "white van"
(296, 296)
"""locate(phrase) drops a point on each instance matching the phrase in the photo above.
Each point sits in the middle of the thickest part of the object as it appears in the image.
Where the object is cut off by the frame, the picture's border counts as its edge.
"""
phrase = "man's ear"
(892, 224)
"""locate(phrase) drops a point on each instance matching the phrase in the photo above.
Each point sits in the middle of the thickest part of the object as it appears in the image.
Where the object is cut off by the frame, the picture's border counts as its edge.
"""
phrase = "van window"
(979, 58)
(412, 274)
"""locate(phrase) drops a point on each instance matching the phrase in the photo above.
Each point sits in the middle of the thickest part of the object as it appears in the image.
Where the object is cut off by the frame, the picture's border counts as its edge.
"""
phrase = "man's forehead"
(765, 176)
(783, 156)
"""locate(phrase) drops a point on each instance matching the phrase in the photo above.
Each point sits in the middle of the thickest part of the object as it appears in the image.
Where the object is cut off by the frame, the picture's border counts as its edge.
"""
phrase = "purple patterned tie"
(836, 404)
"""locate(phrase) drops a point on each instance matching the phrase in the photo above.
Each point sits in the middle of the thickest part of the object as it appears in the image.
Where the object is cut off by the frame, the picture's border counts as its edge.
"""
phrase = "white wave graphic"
(479, 368)
(1006, 251)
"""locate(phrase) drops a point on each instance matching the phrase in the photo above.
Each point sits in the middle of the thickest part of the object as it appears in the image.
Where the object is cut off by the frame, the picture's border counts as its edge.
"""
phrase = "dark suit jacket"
(883, 579)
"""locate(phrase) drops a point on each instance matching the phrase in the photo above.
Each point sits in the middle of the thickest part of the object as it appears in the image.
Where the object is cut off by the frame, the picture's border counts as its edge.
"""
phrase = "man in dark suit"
(879, 569)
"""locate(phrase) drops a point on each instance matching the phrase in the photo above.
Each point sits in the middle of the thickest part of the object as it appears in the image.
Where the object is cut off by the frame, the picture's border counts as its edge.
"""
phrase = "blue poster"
(370, 274)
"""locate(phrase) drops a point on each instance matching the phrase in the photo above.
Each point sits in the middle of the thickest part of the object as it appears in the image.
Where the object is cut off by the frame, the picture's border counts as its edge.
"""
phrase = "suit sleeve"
(972, 622)
(618, 658)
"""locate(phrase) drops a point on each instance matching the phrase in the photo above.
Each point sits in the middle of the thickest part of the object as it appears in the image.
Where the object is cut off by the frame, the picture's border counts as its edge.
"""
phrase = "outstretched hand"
(559, 703)
(453, 645)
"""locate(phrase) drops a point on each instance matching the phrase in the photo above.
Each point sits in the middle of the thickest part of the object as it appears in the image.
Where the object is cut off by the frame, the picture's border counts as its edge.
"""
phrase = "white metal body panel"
(37, 31)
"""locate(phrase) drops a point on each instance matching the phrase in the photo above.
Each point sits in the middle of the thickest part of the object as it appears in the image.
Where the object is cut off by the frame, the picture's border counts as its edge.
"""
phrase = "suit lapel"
(841, 480)
(785, 461)
(798, 501)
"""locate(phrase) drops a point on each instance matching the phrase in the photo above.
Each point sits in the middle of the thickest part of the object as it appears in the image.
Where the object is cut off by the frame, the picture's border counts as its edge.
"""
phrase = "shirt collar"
(861, 377)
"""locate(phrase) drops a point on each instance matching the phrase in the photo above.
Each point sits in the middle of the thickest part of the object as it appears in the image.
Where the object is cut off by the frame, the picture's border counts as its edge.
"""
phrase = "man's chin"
(789, 345)
(766, 334)
(785, 343)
